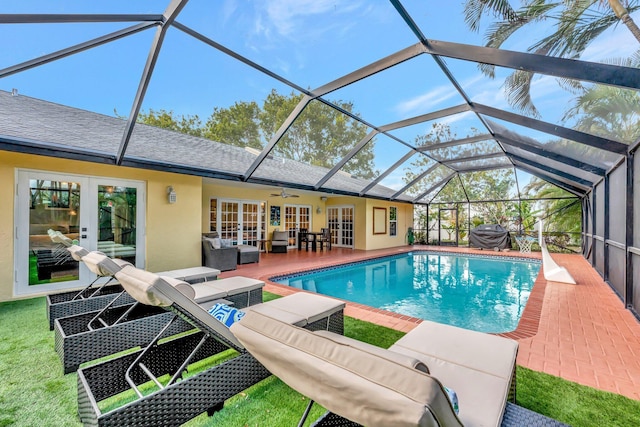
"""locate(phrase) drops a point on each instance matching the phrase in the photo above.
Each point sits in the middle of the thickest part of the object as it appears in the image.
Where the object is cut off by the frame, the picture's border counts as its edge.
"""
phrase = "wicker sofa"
(215, 256)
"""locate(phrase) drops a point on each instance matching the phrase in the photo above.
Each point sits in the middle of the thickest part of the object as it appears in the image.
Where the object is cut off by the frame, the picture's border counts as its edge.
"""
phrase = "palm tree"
(577, 24)
(609, 111)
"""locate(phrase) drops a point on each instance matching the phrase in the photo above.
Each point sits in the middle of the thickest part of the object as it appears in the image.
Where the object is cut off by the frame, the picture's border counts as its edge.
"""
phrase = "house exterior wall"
(223, 190)
(404, 220)
(364, 239)
(172, 230)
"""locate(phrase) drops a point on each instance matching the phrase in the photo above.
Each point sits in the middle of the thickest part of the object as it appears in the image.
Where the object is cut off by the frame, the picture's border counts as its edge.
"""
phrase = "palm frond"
(633, 61)
(577, 26)
(518, 91)
(475, 9)
(572, 86)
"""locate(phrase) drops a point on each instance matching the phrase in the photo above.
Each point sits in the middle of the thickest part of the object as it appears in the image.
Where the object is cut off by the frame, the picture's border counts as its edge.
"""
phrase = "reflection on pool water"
(481, 293)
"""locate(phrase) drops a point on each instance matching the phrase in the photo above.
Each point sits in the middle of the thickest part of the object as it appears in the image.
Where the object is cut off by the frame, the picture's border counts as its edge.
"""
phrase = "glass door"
(118, 220)
(340, 222)
(108, 217)
(295, 218)
(242, 222)
(229, 220)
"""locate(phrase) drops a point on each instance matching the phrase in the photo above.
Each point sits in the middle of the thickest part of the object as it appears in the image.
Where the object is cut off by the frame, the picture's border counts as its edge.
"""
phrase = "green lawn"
(33, 391)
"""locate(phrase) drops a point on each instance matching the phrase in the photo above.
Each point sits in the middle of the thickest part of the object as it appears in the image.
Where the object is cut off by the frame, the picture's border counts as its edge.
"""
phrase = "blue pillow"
(453, 398)
(225, 314)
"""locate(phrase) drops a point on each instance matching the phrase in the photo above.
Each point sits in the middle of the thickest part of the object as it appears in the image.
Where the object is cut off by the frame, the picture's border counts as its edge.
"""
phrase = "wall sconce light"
(318, 210)
(171, 195)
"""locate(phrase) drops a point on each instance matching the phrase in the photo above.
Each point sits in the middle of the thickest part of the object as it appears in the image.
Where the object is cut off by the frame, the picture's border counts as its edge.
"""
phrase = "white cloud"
(290, 17)
(426, 101)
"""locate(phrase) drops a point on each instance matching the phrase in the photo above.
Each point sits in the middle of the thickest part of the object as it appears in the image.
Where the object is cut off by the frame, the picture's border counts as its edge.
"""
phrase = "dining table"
(314, 242)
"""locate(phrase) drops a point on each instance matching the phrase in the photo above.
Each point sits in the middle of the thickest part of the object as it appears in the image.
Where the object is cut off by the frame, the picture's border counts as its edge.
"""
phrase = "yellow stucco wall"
(172, 230)
(404, 220)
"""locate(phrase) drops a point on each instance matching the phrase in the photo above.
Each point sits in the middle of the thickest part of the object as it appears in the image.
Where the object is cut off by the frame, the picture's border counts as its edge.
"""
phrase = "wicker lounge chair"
(90, 336)
(95, 296)
(183, 397)
(402, 386)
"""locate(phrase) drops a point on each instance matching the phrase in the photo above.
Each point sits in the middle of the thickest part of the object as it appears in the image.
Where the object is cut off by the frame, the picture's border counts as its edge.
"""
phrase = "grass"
(33, 390)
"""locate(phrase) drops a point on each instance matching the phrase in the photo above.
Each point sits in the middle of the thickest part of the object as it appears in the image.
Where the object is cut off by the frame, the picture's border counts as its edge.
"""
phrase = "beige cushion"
(476, 365)
(280, 236)
(345, 379)
(151, 289)
(140, 285)
(378, 351)
(204, 292)
(236, 284)
(310, 306)
(102, 265)
(214, 242)
(77, 252)
(191, 273)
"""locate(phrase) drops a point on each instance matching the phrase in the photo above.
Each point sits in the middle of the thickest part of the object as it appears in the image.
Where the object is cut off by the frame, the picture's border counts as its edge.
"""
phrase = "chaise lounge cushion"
(102, 265)
(347, 379)
(478, 366)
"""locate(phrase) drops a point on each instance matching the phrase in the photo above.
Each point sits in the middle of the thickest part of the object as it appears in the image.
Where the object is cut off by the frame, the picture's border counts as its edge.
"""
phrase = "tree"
(237, 125)
(577, 23)
(608, 111)
(320, 136)
(191, 125)
(563, 215)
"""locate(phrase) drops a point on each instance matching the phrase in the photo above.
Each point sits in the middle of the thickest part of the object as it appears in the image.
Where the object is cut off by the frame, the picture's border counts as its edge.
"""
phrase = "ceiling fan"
(284, 194)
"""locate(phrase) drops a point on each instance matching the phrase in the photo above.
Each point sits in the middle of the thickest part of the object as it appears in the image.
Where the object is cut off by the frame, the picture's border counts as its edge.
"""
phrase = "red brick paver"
(581, 332)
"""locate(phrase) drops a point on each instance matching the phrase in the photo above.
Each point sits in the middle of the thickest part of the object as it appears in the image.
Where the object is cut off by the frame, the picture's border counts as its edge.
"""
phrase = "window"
(393, 222)
(213, 214)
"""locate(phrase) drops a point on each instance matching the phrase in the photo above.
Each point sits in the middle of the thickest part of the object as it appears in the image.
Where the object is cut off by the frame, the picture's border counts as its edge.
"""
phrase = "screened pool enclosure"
(393, 100)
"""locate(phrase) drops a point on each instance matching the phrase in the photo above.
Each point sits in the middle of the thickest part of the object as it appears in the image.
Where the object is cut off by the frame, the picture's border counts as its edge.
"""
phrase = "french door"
(295, 218)
(340, 222)
(102, 214)
(242, 222)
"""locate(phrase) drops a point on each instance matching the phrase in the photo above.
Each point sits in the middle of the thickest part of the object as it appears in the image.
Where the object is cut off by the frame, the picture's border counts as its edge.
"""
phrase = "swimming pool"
(482, 293)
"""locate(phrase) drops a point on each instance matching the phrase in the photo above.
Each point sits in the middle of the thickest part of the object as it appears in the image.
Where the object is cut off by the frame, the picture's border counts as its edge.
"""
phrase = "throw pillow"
(216, 243)
(453, 398)
(225, 314)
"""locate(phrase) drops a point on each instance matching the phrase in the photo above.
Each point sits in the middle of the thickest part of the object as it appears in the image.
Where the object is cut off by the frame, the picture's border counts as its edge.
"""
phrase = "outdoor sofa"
(215, 255)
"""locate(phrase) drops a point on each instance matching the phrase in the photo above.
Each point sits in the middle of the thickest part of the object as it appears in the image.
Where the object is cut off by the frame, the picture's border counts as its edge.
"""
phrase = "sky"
(307, 42)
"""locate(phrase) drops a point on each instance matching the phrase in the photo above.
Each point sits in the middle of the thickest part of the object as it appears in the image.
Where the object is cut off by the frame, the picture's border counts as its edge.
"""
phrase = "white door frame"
(238, 234)
(340, 234)
(88, 222)
(298, 220)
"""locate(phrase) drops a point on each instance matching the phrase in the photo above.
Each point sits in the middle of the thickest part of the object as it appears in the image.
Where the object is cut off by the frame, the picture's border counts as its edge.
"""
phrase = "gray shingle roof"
(31, 120)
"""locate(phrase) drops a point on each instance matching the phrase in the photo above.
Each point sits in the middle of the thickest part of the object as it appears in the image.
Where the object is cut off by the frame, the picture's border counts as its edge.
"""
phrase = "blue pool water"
(486, 294)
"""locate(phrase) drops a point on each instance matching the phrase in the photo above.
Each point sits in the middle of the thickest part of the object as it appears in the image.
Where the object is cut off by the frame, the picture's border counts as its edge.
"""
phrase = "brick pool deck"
(581, 332)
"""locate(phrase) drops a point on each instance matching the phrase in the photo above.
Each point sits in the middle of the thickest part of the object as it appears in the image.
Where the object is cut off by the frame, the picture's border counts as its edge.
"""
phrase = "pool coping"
(527, 326)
